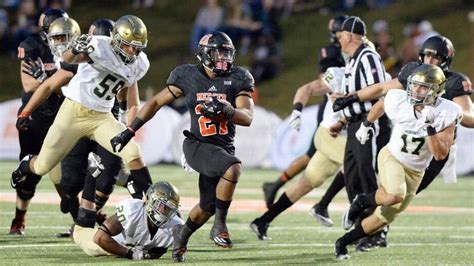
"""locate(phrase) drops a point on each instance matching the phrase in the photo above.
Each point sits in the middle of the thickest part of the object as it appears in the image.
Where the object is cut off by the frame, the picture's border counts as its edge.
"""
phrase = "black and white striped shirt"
(363, 69)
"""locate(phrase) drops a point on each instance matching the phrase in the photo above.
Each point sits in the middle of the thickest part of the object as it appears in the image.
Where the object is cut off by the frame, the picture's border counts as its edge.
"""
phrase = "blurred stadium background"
(440, 224)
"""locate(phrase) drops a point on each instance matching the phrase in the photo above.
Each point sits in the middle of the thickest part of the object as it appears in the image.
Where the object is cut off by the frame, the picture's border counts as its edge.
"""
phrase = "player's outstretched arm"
(164, 97)
(111, 227)
(368, 93)
(467, 110)
(314, 88)
(52, 84)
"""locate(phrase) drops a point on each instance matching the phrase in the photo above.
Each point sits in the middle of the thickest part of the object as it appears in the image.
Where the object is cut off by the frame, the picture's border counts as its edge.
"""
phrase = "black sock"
(282, 204)
(74, 209)
(20, 215)
(369, 200)
(141, 179)
(222, 208)
(353, 235)
(187, 230)
(336, 185)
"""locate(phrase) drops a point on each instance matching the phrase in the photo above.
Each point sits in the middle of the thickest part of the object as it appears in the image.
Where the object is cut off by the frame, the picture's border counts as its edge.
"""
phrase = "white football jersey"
(408, 140)
(334, 78)
(96, 83)
(132, 215)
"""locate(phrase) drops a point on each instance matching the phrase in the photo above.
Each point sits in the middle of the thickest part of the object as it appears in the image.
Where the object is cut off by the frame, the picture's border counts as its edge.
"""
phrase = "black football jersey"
(457, 84)
(330, 56)
(33, 48)
(197, 87)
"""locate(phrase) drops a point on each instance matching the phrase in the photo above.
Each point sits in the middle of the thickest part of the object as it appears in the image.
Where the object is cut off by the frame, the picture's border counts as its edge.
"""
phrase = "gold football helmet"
(129, 32)
(162, 202)
(61, 34)
(425, 84)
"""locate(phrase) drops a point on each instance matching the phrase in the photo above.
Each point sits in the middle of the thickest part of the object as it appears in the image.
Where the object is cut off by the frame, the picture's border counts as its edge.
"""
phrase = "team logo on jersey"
(228, 82)
(212, 88)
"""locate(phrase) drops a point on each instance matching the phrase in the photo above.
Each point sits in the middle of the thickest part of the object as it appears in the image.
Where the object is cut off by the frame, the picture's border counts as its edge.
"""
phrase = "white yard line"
(266, 243)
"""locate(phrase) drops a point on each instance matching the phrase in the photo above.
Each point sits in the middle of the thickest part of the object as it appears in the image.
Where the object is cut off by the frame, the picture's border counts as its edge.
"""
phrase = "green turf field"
(437, 230)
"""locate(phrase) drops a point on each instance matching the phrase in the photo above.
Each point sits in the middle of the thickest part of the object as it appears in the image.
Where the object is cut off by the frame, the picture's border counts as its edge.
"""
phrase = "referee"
(364, 68)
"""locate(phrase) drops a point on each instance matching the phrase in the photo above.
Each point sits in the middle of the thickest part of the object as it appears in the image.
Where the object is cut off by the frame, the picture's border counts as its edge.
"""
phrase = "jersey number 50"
(207, 126)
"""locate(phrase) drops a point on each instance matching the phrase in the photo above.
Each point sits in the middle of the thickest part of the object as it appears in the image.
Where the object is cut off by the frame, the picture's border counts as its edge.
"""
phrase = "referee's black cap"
(355, 25)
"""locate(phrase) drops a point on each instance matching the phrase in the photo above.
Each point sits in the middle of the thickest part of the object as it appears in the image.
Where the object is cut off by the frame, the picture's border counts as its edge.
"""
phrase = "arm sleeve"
(28, 49)
(69, 67)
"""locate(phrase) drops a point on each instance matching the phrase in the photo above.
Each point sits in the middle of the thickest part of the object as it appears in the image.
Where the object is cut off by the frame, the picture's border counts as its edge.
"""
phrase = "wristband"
(367, 123)
(129, 254)
(136, 124)
(24, 114)
(298, 106)
(431, 131)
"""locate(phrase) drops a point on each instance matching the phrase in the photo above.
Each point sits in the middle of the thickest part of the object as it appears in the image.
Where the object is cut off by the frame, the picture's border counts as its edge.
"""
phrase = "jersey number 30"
(104, 86)
(207, 126)
(416, 151)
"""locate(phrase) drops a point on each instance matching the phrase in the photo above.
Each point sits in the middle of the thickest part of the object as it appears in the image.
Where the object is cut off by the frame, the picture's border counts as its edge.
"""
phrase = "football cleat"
(321, 214)
(18, 177)
(17, 227)
(354, 211)
(379, 239)
(179, 248)
(260, 228)
(221, 238)
(269, 192)
(364, 244)
(340, 251)
(67, 233)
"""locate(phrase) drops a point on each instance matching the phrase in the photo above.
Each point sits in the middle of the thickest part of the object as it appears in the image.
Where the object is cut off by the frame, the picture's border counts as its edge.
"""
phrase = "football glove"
(364, 133)
(35, 69)
(23, 121)
(341, 103)
(295, 119)
(80, 45)
(137, 253)
(120, 140)
(215, 108)
(185, 165)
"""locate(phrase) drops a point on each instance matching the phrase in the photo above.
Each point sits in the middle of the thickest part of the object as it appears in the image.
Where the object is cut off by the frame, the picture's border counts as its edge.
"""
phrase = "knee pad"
(25, 194)
(30, 182)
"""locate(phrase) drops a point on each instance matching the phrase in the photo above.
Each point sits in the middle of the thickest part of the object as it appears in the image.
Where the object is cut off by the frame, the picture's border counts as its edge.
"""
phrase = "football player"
(436, 50)
(329, 149)
(35, 49)
(424, 126)
(329, 56)
(218, 97)
(138, 230)
(106, 65)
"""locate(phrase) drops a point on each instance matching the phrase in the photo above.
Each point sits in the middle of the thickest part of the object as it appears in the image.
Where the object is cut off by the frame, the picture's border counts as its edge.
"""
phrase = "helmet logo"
(205, 39)
(41, 19)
